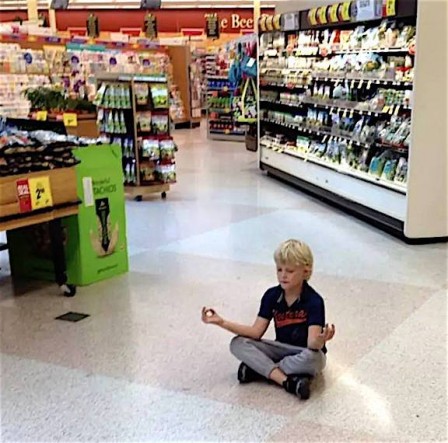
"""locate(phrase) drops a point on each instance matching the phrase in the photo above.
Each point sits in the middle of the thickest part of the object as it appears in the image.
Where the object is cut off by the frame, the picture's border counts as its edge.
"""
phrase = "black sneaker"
(299, 386)
(247, 375)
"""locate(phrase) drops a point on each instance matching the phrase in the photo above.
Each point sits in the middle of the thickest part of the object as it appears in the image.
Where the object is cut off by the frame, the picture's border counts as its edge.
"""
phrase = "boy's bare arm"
(256, 331)
(318, 336)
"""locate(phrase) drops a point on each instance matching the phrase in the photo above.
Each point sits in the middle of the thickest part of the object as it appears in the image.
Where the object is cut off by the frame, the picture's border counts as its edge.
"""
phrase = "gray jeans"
(263, 356)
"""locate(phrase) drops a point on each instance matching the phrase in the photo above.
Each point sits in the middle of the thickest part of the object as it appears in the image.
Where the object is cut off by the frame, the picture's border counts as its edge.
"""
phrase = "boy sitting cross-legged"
(299, 351)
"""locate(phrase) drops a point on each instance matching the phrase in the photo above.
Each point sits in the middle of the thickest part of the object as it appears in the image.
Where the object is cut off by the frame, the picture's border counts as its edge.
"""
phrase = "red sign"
(169, 20)
(133, 32)
(24, 195)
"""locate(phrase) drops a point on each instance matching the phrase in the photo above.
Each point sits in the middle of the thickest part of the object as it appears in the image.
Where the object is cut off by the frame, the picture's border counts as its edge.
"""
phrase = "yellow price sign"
(40, 190)
(41, 116)
(322, 14)
(312, 16)
(346, 11)
(70, 119)
(391, 8)
(277, 22)
(334, 13)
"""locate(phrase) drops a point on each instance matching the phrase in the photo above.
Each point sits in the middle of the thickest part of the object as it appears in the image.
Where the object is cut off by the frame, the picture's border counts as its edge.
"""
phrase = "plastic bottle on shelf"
(107, 100)
(127, 97)
(134, 173)
(110, 123)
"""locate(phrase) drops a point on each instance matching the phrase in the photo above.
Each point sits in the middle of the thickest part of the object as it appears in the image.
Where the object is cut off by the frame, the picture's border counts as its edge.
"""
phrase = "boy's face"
(291, 276)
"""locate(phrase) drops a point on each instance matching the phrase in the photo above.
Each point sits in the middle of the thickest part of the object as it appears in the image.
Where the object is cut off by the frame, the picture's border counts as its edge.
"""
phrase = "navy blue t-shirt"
(292, 322)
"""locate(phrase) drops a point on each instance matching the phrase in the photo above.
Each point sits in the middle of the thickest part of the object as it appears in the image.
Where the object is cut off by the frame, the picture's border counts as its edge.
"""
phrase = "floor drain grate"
(72, 317)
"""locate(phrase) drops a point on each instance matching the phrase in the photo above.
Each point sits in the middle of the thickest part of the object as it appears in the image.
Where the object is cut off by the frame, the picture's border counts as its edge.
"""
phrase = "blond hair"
(295, 252)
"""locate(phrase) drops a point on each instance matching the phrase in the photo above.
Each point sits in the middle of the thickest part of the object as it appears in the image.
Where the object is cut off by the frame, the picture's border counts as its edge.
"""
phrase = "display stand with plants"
(53, 101)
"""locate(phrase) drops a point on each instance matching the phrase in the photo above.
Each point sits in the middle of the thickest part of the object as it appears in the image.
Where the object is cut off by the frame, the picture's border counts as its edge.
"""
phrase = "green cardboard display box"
(95, 239)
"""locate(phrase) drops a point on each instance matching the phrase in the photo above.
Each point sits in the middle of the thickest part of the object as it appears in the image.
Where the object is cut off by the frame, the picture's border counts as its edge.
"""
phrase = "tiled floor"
(142, 367)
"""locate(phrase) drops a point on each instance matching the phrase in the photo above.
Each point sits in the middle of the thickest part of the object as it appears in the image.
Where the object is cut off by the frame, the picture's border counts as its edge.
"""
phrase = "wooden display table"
(19, 212)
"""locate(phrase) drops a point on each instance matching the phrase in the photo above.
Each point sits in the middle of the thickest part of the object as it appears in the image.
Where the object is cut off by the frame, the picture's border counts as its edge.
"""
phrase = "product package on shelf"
(177, 108)
(157, 165)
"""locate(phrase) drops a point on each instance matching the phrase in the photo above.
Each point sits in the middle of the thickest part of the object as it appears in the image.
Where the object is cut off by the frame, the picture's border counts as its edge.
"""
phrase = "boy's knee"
(236, 343)
(307, 363)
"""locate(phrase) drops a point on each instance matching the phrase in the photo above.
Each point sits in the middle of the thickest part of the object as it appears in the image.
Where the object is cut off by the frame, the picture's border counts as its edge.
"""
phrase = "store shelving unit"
(222, 103)
(198, 83)
(182, 104)
(131, 115)
(227, 116)
(338, 113)
(221, 100)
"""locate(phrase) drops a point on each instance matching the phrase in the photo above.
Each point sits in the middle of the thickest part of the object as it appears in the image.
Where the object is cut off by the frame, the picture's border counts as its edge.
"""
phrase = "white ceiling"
(166, 4)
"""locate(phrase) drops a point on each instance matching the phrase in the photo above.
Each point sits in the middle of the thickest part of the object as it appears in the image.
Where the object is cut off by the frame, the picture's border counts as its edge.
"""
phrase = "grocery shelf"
(379, 81)
(303, 113)
(343, 170)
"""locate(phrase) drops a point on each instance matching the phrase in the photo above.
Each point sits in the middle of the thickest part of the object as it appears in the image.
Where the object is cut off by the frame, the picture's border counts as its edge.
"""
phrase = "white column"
(32, 10)
(257, 13)
(52, 19)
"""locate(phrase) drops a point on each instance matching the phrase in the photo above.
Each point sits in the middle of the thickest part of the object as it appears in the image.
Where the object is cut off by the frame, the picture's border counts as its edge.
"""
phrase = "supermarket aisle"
(143, 367)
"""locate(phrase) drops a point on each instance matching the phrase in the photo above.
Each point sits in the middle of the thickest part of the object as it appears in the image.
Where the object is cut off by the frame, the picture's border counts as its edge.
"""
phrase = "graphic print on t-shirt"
(288, 318)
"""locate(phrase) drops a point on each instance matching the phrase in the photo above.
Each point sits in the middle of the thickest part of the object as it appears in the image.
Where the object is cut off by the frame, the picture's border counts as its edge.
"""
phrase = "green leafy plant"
(53, 100)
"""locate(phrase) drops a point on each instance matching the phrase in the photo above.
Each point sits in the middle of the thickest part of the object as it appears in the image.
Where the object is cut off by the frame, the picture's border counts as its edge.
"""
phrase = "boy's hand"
(209, 316)
(327, 333)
